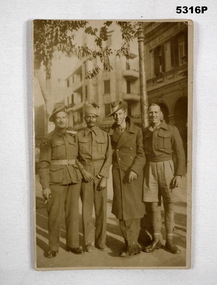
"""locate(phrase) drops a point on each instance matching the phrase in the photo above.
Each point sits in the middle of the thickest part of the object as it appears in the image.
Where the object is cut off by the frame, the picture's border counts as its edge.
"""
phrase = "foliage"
(59, 35)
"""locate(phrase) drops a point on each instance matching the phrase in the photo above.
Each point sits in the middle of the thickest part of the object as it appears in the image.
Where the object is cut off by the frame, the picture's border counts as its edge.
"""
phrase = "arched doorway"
(165, 112)
(181, 118)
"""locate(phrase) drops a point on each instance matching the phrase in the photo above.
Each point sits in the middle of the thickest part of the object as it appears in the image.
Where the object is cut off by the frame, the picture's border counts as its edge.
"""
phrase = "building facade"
(166, 63)
(118, 83)
(166, 53)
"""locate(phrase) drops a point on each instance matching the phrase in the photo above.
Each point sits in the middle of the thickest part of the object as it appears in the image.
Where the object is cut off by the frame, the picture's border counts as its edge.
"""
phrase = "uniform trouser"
(64, 198)
(90, 196)
(130, 230)
(157, 183)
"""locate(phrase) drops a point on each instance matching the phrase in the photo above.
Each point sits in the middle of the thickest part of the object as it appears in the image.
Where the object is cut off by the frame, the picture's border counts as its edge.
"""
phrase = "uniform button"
(131, 148)
(119, 159)
(131, 158)
(117, 149)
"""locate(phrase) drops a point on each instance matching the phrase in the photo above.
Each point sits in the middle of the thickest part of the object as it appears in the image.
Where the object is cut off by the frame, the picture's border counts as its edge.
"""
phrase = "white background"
(16, 191)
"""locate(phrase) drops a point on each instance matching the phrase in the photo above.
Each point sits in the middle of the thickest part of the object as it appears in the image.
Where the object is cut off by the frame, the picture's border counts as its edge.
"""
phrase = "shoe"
(171, 247)
(130, 251)
(156, 244)
(50, 254)
(102, 247)
(76, 250)
(89, 247)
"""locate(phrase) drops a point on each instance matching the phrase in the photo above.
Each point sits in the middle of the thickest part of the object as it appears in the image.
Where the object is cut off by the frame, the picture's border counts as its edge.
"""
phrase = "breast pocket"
(58, 149)
(164, 141)
(84, 145)
(101, 145)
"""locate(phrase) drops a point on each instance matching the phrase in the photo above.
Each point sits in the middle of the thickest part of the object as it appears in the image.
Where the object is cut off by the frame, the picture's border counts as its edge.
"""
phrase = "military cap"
(58, 107)
(91, 108)
(117, 105)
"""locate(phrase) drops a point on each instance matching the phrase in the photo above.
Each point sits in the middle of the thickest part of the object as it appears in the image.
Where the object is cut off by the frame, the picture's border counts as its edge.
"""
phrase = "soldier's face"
(120, 116)
(154, 115)
(61, 120)
(91, 120)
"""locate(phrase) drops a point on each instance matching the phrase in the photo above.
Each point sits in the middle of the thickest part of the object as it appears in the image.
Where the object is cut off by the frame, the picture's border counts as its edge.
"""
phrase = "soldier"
(161, 143)
(128, 162)
(61, 182)
(95, 157)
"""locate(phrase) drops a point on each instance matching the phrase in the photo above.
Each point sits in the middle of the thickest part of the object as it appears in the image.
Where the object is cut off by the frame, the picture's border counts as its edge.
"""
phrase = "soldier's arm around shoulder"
(178, 150)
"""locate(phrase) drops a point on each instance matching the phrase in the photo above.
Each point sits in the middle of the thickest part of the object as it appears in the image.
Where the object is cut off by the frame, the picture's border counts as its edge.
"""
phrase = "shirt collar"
(163, 125)
(59, 132)
(88, 130)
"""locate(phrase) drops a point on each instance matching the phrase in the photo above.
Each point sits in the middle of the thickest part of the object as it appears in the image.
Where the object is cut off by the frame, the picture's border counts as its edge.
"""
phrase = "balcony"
(131, 97)
(168, 77)
(77, 86)
(131, 74)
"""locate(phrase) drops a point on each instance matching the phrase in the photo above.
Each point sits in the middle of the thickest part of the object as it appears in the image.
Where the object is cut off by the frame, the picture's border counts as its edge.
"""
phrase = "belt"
(63, 161)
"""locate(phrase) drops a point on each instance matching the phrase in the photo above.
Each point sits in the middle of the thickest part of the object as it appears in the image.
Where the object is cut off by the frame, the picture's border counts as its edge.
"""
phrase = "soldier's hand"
(175, 181)
(102, 183)
(88, 177)
(132, 176)
(46, 193)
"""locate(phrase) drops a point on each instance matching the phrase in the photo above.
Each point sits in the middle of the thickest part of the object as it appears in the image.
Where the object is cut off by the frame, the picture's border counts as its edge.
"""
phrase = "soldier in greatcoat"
(128, 162)
(60, 178)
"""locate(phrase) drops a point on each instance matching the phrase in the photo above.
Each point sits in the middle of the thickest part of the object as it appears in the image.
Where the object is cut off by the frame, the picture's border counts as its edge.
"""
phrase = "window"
(129, 110)
(72, 99)
(107, 109)
(68, 82)
(128, 87)
(159, 60)
(107, 87)
(127, 64)
(178, 46)
(78, 117)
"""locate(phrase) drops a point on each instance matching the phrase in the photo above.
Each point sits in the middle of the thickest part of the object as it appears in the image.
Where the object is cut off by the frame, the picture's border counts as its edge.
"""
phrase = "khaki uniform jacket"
(165, 143)
(58, 146)
(94, 149)
(128, 154)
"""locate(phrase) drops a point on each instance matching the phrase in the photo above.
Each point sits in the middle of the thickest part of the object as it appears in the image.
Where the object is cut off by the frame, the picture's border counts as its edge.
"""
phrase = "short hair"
(154, 104)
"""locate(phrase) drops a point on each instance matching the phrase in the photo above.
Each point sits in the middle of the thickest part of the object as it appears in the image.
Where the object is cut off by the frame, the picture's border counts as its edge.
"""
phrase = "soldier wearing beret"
(95, 157)
(162, 142)
(60, 178)
(128, 161)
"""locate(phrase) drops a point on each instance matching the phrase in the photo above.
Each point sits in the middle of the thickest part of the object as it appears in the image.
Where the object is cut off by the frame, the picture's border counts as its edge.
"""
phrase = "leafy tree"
(58, 35)
(51, 36)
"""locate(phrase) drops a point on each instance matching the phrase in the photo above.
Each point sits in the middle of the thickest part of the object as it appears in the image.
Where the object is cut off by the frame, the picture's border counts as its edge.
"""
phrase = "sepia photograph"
(112, 123)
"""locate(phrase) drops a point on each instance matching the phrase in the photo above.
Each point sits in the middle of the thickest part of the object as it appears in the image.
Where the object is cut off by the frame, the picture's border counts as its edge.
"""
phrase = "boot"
(171, 247)
(156, 244)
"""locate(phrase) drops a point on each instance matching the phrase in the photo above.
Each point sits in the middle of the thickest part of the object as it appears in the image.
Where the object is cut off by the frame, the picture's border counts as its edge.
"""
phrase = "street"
(109, 259)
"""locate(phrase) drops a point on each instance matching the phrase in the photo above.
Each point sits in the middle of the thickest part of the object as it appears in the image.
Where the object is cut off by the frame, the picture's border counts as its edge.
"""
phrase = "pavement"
(110, 259)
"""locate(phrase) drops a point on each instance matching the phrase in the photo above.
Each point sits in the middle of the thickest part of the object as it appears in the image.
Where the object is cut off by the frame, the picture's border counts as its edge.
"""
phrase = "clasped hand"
(132, 176)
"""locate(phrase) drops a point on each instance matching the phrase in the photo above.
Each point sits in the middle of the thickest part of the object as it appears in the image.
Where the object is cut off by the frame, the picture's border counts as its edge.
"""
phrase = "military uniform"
(95, 157)
(128, 155)
(161, 144)
(59, 172)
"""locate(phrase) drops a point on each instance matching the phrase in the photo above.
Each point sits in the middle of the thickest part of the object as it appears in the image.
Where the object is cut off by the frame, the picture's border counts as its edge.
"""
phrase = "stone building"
(166, 53)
